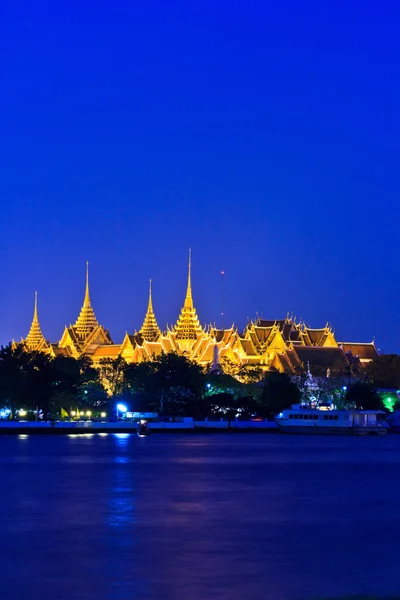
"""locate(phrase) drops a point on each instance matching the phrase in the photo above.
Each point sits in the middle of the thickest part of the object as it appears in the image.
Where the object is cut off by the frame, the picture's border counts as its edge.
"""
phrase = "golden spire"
(189, 298)
(35, 338)
(150, 305)
(150, 330)
(188, 326)
(86, 321)
(86, 301)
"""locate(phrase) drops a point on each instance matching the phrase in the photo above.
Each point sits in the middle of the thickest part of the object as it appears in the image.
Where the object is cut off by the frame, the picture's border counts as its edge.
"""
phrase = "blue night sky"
(265, 136)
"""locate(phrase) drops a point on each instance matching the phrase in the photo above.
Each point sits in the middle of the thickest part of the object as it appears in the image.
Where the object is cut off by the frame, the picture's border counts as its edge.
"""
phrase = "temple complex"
(283, 344)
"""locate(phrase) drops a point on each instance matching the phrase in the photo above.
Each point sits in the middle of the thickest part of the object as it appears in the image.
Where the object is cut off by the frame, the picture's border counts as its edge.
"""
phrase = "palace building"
(283, 344)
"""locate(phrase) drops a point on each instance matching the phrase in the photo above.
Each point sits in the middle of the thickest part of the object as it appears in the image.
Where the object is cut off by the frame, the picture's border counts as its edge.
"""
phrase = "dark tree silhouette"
(364, 396)
(278, 393)
(384, 371)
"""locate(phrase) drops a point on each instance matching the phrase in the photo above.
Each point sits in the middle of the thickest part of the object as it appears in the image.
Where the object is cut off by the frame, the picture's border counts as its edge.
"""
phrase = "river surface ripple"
(198, 517)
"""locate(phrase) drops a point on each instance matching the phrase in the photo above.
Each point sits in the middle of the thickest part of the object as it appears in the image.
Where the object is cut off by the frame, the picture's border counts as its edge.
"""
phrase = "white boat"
(302, 419)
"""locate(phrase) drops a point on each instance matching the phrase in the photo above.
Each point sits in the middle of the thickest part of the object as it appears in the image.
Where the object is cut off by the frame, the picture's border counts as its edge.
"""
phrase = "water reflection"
(122, 436)
(111, 518)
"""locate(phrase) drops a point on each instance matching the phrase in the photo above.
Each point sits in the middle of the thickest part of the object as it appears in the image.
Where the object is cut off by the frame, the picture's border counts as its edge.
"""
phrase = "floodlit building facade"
(283, 344)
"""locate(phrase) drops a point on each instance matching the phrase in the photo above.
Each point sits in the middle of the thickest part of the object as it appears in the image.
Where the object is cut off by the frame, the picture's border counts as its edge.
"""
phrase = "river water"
(198, 517)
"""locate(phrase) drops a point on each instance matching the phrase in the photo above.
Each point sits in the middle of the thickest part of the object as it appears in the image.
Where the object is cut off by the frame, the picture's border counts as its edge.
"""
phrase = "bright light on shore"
(121, 408)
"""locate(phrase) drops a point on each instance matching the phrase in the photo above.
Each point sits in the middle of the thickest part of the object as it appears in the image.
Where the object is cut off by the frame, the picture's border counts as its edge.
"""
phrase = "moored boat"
(302, 419)
(143, 428)
(393, 420)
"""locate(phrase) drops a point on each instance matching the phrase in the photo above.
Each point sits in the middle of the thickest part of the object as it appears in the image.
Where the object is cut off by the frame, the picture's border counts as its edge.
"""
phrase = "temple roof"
(108, 351)
(86, 320)
(150, 330)
(366, 351)
(35, 339)
(285, 363)
(248, 347)
(323, 358)
(55, 350)
(316, 336)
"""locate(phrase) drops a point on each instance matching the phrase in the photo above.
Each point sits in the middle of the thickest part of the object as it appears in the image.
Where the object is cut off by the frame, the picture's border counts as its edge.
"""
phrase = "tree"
(89, 373)
(39, 381)
(384, 371)
(93, 395)
(362, 395)
(139, 377)
(174, 370)
(278, 393)
(245, 373)
(223, 404)
(13, 376)
(66, 375)
(112, 375)
(319, 390)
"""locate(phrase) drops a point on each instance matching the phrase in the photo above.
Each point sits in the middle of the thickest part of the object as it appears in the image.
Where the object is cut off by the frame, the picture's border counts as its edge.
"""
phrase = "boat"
(393, 420)
(143, 429)
(300, 418)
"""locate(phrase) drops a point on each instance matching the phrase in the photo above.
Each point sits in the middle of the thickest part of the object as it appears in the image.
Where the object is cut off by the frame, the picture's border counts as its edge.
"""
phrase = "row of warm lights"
(76, 413)
(88, 413)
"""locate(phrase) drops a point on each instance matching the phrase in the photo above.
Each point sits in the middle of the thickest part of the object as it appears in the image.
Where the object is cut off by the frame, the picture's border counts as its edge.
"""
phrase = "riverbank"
(88, 427)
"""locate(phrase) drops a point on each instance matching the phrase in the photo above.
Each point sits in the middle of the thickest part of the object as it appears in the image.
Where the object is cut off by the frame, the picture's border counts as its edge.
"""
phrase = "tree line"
(173, 385)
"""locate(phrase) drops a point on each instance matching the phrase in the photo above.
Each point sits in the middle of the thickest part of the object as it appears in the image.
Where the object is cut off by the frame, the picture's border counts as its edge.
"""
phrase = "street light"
(121, 408)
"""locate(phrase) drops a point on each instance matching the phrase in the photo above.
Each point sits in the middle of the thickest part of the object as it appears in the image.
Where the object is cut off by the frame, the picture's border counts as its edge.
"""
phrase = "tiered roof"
(86, 320)
(86, 335)
(150, 330)
(188, 325)
(364, 351)
(35, 339)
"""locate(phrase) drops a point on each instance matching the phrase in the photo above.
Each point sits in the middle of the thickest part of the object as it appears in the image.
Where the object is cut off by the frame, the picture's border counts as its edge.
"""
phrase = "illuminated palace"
(280, 344)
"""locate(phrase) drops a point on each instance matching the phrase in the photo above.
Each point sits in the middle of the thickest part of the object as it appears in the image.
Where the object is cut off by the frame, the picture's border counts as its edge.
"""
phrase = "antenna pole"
(222, 298)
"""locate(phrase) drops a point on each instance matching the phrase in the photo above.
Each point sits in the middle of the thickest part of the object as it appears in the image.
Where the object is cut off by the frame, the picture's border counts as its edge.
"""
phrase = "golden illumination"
(265, 345)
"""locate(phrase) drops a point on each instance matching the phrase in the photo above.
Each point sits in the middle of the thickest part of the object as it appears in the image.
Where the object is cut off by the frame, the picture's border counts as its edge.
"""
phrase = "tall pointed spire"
(35, 339)
(150, 305)
(150, 330)
(188, 326)
(189, 298)
(35, 311)
(87, 295)
(86, 321)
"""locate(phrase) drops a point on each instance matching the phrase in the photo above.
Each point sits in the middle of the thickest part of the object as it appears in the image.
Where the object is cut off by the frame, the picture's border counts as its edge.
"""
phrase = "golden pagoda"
(150, 330)
(187, 329)
(35, 340)
(86, 335)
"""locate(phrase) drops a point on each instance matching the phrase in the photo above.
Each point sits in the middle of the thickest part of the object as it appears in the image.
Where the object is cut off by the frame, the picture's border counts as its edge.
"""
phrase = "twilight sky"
(263, 135)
